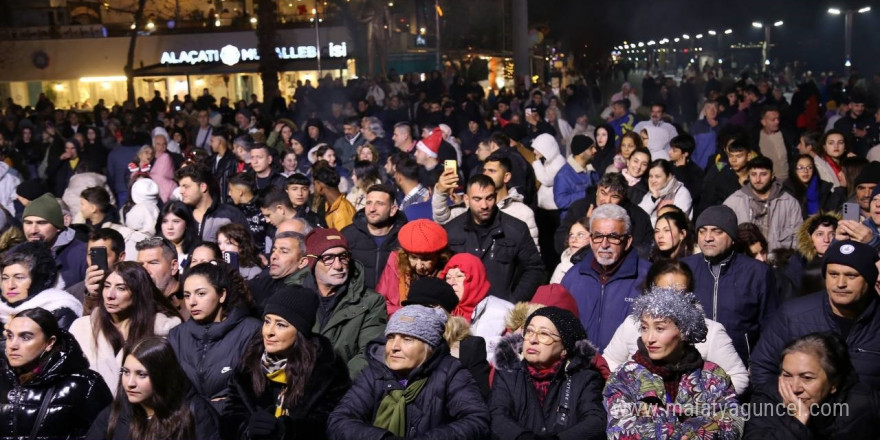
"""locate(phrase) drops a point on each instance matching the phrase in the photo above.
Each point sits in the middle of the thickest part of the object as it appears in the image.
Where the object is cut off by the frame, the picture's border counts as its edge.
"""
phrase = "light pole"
(765, 51)
(317, 39)
(847, 33)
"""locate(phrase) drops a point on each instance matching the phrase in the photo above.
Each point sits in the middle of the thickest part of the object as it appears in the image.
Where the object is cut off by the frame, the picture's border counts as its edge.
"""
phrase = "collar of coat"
(508, 354)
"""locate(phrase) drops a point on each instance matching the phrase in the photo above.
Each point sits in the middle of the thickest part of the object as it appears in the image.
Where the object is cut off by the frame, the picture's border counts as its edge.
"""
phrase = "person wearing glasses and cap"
(349, 313)
(606, 281)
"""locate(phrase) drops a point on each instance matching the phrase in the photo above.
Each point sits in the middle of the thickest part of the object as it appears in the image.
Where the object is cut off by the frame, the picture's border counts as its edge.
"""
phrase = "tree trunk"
(266, 42)
(132, 43)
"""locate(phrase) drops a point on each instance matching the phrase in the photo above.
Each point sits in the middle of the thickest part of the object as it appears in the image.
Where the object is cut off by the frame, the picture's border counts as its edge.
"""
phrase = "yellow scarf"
(279, 377)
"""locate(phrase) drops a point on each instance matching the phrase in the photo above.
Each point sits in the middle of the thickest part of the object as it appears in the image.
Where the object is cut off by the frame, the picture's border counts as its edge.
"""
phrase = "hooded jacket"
(572, 409)
(78, 183)
(546, 170)
(476, 283)
(209, 353)
(658, 140)
(513, 264)
(358, 317)
(78, 396)
(571, 183)
(488, 322)
(63, 305)
(145, 212)
(364, 249)
(783, 213)
(70, 256)
(449, 407)
(307, 419)
(162, 173)
(9, 181)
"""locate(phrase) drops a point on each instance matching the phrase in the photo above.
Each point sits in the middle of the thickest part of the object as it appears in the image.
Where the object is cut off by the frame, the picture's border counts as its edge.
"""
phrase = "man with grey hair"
(374, 134)
(607, 281)
(288, 255)
(159, 258)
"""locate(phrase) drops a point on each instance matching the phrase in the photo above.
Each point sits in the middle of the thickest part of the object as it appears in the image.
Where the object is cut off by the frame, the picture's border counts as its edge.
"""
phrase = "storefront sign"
(232, 55)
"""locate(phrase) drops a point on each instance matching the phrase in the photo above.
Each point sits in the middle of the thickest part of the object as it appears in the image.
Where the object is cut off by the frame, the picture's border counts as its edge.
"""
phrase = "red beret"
(422, 237)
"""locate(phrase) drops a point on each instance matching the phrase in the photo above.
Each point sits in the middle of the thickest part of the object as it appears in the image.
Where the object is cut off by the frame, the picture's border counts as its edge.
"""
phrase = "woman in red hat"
(424, 251)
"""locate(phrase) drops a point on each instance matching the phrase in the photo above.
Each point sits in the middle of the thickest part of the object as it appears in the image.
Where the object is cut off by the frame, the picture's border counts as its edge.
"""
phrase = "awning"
(243, 67)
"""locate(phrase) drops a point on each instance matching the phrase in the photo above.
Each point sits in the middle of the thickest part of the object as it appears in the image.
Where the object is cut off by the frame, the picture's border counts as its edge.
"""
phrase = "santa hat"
(430, 145)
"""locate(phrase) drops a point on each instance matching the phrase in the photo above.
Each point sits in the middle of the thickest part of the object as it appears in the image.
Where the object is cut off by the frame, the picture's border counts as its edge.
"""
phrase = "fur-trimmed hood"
(508, 354)
(804, 241)
(51, 299)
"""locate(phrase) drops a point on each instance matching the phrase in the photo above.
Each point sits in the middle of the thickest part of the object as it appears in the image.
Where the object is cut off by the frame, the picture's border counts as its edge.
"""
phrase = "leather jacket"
(77, 395)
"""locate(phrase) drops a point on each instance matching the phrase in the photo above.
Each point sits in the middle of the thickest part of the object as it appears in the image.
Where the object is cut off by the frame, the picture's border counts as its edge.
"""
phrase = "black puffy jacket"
(449, 407)
(364, 249)
(308, 419)
(515, 407)
(78, 395)
(210, 353)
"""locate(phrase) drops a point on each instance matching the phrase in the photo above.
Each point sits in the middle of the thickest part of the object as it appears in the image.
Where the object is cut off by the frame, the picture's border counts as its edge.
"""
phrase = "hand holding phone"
(231, 258)
(98, 256)
(851, 211)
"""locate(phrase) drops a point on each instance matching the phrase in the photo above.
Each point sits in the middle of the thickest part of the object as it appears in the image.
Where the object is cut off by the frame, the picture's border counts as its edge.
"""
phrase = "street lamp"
(765, 51)
(847, 32)
(712, 33)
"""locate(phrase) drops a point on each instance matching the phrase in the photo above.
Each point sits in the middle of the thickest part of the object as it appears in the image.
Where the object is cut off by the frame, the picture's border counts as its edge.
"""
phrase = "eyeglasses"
(579, 235)
(543, 336)
(612, 238)
(328, 259)
(804, 168)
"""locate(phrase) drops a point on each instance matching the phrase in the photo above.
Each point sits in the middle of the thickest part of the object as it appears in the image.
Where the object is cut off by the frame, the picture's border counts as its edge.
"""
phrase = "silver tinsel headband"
(679, 306)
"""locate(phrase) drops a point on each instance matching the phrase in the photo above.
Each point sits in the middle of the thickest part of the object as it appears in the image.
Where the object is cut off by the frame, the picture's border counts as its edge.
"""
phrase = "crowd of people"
(396, 259)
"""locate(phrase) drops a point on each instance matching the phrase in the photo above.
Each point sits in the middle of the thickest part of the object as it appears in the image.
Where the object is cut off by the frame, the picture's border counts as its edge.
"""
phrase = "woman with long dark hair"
(813, 193)
(176, 224)
(43, 367)
(289, 379)
(236, 238)
(210, 344)
(155, 400)
(130, 309)
(674, 236)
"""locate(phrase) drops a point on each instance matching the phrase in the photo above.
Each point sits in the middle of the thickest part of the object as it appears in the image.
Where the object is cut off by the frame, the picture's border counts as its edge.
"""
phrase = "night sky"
(809, 32)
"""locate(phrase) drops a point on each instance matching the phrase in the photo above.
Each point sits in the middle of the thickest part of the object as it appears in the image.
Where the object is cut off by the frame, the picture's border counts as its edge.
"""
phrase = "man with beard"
(350, 314)
(373, 235)
(288, 252)
(734, 289)
(347, 145)
(501, 241)
(605, 283)
(43, 220)
(159, 258)
(858, 123)
(762, 201)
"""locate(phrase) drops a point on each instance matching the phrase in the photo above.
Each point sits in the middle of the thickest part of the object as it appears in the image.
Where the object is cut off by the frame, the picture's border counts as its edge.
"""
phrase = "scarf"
(391, 414)
(670, 373)
(813, 195)
(274, 370)
(630, 180)
(541, 378)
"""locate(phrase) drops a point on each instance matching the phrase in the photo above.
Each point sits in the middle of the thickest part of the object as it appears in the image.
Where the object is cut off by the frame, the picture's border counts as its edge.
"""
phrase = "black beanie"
(859, 256)
(569, 326)
(430, 291)
(869, 174)
(580, 143)
(31, 190)
(296, 305)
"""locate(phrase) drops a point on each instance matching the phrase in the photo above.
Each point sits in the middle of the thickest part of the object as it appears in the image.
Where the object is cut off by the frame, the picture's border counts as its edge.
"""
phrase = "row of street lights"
(765, 47)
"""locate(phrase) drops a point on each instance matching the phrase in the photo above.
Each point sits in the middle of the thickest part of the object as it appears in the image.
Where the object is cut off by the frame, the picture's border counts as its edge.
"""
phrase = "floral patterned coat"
(705, 407)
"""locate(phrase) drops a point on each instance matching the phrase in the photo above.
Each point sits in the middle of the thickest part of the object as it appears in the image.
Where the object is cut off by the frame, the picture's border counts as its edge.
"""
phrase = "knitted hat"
(430, 145)
(681, 307)
(720, 216)
(422, 236)
(296, 304)
(31, 190)
(556, 295)
(580, 143)
(420, 322)
(869, 174)
(858, 256)
(430, 291)
(319, 240)
(568, 326)
(47, 208)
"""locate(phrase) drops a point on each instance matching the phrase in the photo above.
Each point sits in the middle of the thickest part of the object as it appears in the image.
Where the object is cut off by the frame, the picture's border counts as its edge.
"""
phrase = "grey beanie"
(720, 216)
(679, 306)
(420, 322)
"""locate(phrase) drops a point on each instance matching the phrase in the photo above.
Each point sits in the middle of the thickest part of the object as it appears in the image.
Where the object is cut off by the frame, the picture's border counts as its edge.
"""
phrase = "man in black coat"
(373, 234)
(612, 188)
(501, 241)
(848, 307)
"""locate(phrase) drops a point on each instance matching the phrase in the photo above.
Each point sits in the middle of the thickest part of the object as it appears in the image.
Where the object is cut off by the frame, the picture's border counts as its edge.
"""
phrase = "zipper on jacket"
(714, 290)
